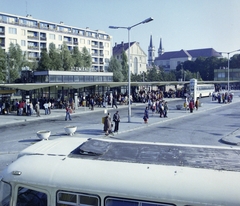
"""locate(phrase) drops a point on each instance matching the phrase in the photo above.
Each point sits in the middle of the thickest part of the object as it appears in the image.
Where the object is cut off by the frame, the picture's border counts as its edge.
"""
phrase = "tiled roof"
(117, 49)
(189, 53)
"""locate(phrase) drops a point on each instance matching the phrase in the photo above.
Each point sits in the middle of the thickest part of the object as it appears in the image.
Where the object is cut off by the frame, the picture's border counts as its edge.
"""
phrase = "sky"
(182, 24)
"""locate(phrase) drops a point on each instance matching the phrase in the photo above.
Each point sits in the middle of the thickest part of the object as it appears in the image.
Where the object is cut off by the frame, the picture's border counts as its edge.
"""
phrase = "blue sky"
(182, 24)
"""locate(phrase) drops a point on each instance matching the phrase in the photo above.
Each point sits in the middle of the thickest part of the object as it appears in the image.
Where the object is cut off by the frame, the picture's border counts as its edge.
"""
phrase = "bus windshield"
(5, 193)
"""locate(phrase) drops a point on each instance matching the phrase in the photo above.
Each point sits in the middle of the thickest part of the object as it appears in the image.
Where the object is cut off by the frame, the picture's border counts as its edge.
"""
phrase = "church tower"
(151, 53)
(160, 49)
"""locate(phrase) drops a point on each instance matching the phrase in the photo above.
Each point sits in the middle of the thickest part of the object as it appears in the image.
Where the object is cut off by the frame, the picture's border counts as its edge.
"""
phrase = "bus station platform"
(136, 121)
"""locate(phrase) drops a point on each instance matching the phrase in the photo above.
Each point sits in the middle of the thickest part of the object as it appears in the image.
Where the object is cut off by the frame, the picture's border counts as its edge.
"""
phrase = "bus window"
(125, 202)
(29, 197)
(5, 193)
(69, 198)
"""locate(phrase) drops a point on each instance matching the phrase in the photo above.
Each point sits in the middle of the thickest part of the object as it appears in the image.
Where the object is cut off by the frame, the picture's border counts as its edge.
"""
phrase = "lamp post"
(229, 64)
(129, 71)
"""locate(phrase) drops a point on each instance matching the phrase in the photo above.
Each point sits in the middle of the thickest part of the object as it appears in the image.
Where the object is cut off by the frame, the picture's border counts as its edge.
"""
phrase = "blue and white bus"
(93, 172)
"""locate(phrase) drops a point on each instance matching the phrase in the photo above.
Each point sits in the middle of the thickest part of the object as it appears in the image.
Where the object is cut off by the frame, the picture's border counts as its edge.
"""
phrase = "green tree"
(67, 58)
(55, 57)
(44, 62)
(3, 66)
(77, 58)
(115, 67)
(87, 59)
(234, 61)
(153, 74)
(124, 64)
(16, 60)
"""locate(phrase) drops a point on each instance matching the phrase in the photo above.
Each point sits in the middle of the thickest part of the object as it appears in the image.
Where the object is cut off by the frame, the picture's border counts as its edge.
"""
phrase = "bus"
(205, 90)
(105, 172)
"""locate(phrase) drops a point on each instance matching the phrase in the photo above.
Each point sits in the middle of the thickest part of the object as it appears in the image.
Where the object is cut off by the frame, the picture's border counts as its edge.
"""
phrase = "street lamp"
(229, 64)
(129, 71)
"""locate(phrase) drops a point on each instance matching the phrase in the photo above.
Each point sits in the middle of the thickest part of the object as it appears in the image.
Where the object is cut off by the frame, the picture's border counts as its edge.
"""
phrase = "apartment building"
(33, 35)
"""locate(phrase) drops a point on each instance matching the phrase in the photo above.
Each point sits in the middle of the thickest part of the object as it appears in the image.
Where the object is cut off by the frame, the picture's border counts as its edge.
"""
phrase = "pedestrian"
(116, 119)
(165, 107)
(49, 107)
(46, 108)
(191, 105)
(197, 104)
(161, 109)
(107, 125)
(68, 116)
(146, 112)
(114, 103)
(37, 109)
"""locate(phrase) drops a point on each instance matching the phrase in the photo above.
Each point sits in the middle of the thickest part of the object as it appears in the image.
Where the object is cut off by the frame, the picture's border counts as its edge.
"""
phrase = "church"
(170, 60)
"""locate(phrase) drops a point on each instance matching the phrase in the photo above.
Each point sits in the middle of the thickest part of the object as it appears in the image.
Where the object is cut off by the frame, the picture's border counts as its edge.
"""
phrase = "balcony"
(42, 38)
(95, 45)
(67, 42)
(75, 43)
(33, 37)
(2, 44)
(2, 32)
(95, 54)
(33, 47)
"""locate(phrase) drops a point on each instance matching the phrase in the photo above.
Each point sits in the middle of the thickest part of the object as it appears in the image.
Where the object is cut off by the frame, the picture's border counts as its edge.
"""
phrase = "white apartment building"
(33, 35)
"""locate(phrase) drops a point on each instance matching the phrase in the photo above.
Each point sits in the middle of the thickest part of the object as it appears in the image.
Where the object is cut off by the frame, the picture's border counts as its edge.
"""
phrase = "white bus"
(77, 171)
(205, 90)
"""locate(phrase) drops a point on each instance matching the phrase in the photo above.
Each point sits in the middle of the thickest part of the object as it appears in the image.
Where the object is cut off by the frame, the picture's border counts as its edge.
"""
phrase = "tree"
(45, 61)
(3, 66)
(55, 57)
(87, 59)
(235, 61)
(16, 60)
(66, 58)
(153, 75)
(115, 67)
(125, 67)
(77, 58)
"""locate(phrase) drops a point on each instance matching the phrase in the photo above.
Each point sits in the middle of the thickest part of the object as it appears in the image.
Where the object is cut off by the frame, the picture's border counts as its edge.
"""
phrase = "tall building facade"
(138, 58)
(33, 35)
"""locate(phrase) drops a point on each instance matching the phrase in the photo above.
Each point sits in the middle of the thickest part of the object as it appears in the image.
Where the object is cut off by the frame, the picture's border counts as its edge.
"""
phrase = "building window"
(106, 44)
(23, 31)
(82, 41)
(52, 36)
(60, 37)
(14, 41)
(23, 43)
(12, 30)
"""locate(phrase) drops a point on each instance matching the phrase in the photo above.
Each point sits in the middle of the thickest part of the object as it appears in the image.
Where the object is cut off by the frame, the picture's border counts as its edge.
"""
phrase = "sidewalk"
(125, 126)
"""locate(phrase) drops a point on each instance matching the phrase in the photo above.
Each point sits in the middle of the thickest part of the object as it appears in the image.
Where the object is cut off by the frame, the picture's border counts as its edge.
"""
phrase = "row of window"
(52, 36)
(31, 197)
(70, 78)
(49, 26)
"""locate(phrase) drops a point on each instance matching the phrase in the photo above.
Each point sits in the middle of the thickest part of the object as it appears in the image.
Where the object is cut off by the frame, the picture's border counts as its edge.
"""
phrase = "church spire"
(151, 52)
(160, 49)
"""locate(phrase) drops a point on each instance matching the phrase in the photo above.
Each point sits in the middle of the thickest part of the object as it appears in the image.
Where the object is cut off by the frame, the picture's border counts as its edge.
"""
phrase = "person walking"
(107, 125)
(68, 116)
(197, 103)
(116, 119)
(37, 109)
(191, 105)
(165, 107)
(46, 108)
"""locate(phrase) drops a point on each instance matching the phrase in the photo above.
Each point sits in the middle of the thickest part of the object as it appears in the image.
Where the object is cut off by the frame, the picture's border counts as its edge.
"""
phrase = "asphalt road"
(199, 128)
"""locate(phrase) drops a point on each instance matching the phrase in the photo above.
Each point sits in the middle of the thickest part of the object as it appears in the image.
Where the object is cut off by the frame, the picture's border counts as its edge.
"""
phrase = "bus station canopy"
(77, 85)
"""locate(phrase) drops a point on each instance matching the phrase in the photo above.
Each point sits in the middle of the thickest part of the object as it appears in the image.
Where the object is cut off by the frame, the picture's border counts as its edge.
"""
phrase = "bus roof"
(218, 158)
